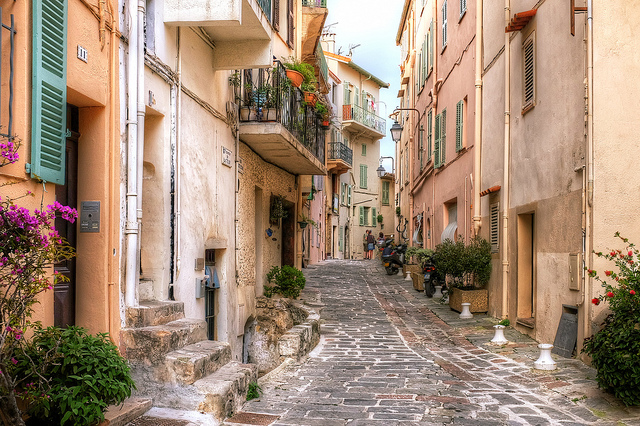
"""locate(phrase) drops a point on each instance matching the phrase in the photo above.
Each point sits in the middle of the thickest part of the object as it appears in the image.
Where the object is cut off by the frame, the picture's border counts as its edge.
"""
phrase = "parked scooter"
(393, 257)
(430, 277)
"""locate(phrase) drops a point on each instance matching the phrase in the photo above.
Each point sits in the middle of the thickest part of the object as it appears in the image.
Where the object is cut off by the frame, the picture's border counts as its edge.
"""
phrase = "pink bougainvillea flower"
(607, 273)
(632, 292)
(14, 361)
(595, 301)
(610, 294)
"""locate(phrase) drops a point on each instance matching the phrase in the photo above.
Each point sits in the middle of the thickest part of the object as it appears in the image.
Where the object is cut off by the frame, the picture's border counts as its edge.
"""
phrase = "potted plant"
(277, 211)
(299, 72)
(247, 108)
(416, 257)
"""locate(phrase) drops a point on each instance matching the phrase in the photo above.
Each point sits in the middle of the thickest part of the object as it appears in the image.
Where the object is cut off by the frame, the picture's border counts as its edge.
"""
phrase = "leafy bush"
(466, 266)
(615, 349)
(72, 376)
(422, 255)
(448, 260)
(478, 262)
(288, 281)
(505, 322)
(253, 391)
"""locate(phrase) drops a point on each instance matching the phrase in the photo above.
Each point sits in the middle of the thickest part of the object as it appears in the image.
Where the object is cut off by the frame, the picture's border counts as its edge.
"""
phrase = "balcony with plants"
(359, 119)
(279, 121)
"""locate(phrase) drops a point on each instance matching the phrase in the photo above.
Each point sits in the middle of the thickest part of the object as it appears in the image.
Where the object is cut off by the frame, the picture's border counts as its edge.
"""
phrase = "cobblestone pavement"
(390, 356)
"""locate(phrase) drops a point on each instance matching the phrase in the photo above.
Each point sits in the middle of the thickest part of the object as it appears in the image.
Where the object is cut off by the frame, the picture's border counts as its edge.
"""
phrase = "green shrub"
(505, 322)
(466, 266)
(615, 349)
(422, 255)
(288, 281)
(253, 391)
(72, 376)
(449, 261)
(477, 259)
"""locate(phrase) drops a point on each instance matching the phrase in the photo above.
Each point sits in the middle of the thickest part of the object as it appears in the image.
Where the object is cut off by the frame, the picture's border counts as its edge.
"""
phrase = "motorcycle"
(393, 258)
(431, 278)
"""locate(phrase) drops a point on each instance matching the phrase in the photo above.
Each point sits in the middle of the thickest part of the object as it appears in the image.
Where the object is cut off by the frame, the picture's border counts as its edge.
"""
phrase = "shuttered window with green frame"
(347, 94)
(374, 217)
(363, 176)
(459, 125)
(385, 192)
(49, 91)
(436, 152)
(361, 211)
(349, 195)
(429, 134)
(443, 137)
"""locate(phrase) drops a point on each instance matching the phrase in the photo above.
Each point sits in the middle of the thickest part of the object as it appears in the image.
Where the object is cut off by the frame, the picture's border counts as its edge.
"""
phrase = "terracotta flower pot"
(310, 98)
(296, 77)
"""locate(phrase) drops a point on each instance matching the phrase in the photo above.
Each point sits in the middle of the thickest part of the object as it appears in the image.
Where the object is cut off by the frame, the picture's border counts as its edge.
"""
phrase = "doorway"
(526, 270)
(64, 293)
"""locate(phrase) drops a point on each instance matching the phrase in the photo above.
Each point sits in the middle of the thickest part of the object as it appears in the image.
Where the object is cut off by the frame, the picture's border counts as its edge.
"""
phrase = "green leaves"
(467, 266)
(288, 281)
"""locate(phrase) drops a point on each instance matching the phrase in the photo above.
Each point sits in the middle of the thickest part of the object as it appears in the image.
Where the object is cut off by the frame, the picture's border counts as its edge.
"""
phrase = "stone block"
(154, 312)
(193, 362)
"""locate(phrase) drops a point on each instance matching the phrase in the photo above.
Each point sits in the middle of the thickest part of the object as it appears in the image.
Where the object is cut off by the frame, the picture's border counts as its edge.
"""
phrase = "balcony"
(240, 29)
(339, 158)
(276, 123)
(314, 15)
(358, 119)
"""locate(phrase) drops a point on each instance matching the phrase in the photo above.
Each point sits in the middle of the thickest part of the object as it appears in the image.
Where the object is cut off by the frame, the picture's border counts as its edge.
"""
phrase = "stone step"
(123, 414)
(193, 362)
(149, 345)
(154, 312)
(225, 391)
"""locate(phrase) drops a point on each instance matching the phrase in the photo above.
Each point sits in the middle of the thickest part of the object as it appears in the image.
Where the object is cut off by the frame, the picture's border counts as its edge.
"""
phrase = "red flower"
(630, 253)
(607, 273)
(613, 253)
(610, 294)
(595, 301)
(632, 292)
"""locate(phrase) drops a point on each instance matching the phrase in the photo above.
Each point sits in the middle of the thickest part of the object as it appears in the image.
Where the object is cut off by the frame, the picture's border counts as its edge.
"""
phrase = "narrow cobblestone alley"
(386, 359)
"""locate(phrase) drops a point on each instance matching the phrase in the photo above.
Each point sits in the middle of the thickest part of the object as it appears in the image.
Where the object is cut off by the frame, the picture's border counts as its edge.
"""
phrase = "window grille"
(495, 227)
(529, 71)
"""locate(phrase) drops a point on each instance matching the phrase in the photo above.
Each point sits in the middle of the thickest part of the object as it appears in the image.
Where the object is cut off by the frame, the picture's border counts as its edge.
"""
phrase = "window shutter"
(49, 93)
(529, 71)
(436, 153)
(385, 193)
(443, 137)
(349, 195)
(459, 124)
(364, 149)
(361, 209)
(433, 41)
(290, 21)
(495, 227)
(340, 238)
(347, 99)
(424, 61)
(374, 217)
(427, 42)
(444, 24)
(364, 175)
(342, 192)
(356, 98)
(276, 15)
(421, 146)
(429, 134)
(463, 7)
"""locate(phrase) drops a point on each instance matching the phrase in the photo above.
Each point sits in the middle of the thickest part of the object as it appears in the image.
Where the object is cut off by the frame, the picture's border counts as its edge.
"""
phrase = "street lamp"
(381, 171)
(396, 131)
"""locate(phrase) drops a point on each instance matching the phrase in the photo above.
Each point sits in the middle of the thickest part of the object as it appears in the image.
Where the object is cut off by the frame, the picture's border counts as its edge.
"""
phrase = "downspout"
(131, 227)
(589, 189)
(505, 178)
(113, 133)
(477, 139)
(140, 118)
(433, 121)
(178, 179)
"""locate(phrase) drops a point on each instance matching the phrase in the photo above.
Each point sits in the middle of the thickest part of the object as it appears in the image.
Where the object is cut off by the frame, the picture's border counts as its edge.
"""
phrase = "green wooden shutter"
(436, 151)
(424, 62)
(342, 192)
(433, 40)
(349, 195)
(364, 149)
(459, 124)
(340, 238)
(429, 134)
(361, 215)
(49, 93)
(347, 98)
(363, 175)
(385, 192)
(356, 97)
(443, 137)
(374, 217)
(428, 52)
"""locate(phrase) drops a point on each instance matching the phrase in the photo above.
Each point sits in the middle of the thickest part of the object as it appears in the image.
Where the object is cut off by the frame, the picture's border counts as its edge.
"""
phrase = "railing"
(364, 117)
(266, 8)
(3, 56)
(314, 3)
(322, 64)
(339, 151)
(267, 95)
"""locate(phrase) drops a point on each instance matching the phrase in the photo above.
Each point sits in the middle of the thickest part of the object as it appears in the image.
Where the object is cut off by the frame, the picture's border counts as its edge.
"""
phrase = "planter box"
(418, 281)
(479, 299)
(407, 268)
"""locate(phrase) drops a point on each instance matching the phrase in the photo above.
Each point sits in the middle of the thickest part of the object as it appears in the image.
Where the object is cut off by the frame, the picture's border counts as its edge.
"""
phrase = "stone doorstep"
(193, 362)
(225, 390)
(151, 344)
(130, 409)
(154, 312)
(300, 339)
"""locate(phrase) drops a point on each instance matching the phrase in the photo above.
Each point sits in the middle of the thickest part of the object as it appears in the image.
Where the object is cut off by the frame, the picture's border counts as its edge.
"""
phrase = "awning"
(449, 232)
(520, 20)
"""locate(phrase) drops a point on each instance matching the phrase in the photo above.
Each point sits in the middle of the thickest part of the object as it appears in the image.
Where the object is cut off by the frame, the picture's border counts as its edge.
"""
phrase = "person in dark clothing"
(371, 242)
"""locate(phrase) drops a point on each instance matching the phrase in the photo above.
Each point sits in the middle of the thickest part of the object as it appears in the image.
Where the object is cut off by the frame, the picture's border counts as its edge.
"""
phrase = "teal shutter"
(385, 193)
(361, 215)
(429, 134)
(443, 137)
(421, 147)
(363, 175)
(49, 90)
(374, 217)
(349, 195)
(459, 124)
(436, 151)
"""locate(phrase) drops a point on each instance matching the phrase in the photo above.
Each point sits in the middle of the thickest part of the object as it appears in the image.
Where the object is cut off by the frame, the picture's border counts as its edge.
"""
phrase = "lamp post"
(381, 171)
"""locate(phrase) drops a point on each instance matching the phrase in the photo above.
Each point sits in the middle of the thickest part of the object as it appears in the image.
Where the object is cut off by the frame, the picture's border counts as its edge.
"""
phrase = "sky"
(373, 24)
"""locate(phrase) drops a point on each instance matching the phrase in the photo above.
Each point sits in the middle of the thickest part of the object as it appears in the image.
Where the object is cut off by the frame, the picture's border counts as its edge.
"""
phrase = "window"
(347, 93)
(463, 8)
(276, 15)
(385, 192)
(49, 94)
(348, 195)
(290, 21)
(444, 24)
(529, 69)
(374, 217)
(421, 146)
(149, 26)
(340, 238)
(361, 215)
(441, 139)
(363, 176)
(343, 192)
(364, 149)
(432, 45)
(429, 134)
(495, 227)
(367, 212)
(459, 125)
(334, 90)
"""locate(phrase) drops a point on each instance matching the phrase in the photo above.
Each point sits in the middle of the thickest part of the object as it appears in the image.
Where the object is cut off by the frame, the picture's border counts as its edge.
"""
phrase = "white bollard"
(545, 362)
(408, 277)
(438, 293)
(466, 313)
(498, 338)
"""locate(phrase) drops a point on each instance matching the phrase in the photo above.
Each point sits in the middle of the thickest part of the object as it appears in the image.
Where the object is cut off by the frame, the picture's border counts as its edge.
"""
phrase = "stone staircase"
(175, 365)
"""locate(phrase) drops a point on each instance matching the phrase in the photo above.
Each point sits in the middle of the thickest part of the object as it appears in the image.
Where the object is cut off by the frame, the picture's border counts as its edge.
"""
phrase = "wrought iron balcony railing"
(364, 117)
(267, 95)
(314, 3)
(339, 151)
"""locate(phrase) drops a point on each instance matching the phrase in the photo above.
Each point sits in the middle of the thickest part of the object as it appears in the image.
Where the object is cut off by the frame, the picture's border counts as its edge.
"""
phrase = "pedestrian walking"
(365, 244)
(371, 243)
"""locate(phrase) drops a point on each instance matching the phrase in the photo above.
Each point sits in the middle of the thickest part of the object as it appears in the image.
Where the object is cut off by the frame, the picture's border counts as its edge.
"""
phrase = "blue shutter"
(49, 91)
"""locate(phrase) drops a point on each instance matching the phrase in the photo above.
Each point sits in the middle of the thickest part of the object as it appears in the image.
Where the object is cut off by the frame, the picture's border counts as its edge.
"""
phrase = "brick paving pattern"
(390, 356)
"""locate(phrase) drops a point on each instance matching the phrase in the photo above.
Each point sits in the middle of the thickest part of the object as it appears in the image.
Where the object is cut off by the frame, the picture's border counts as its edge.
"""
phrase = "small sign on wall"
(240, 165)
(226, 156)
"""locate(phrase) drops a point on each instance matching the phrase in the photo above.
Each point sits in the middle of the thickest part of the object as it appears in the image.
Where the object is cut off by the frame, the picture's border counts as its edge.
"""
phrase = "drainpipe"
(131, 227)
(505, 178)
(589, 189)
(435, 88)
(113, 134)
(178, 178)
(477, 140)
(140, 118)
